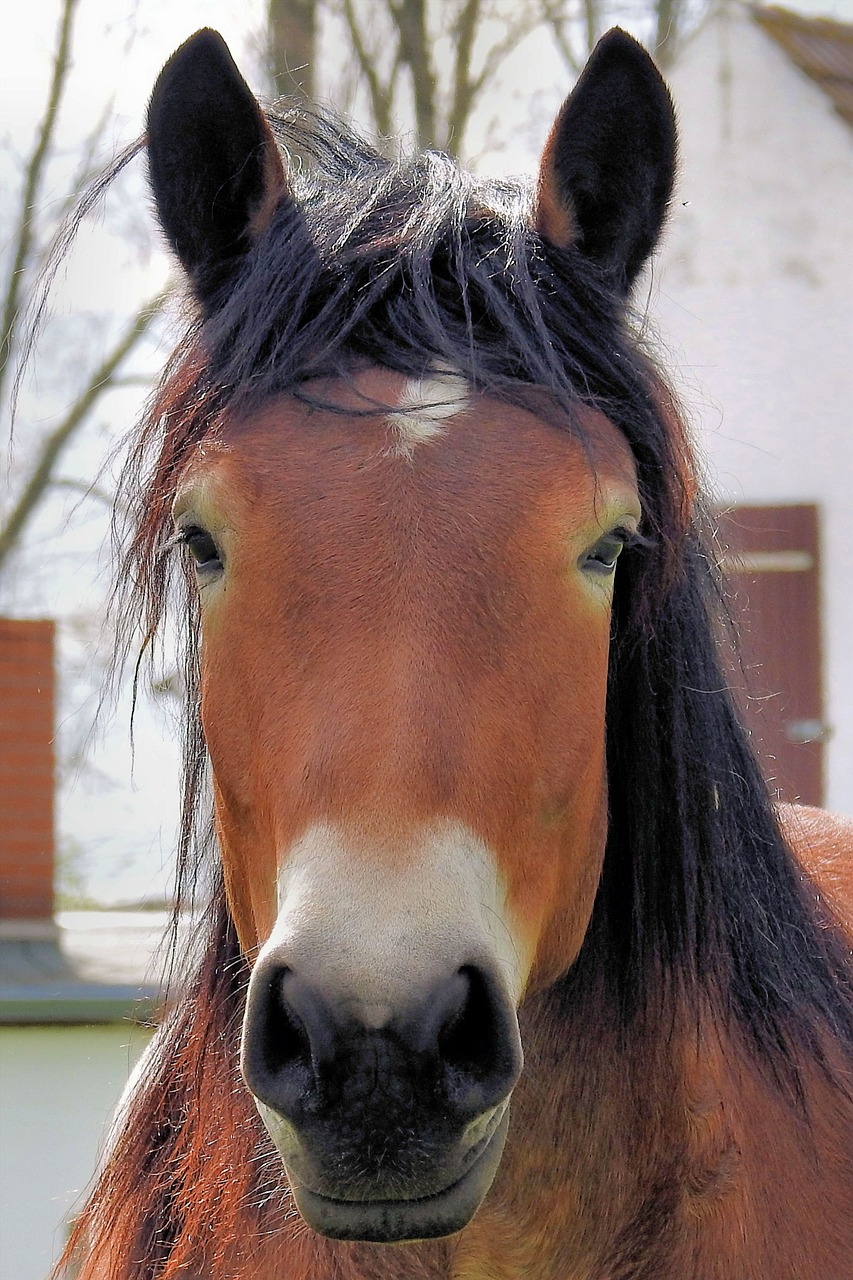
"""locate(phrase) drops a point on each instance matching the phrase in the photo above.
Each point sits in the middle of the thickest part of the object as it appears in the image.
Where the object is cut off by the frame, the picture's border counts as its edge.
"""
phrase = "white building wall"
(753, 299)
(58, 1089)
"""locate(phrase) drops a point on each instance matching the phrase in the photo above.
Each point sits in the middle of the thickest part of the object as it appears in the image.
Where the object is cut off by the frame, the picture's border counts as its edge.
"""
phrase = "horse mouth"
(401, 1221)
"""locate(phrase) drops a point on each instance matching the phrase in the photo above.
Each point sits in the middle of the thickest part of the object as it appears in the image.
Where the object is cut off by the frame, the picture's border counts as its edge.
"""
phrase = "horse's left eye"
(203, 550)
(601, 559)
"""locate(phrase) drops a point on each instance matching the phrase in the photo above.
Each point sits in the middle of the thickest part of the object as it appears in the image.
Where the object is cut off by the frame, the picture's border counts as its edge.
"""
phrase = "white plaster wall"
(58, 1089)
(753, 299)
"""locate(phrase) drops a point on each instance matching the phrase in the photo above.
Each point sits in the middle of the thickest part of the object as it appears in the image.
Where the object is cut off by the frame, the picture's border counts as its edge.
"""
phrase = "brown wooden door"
(771, 560)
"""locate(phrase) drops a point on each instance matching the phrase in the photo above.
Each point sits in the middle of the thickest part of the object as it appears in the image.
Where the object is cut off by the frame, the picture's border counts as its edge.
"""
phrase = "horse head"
(404, 581)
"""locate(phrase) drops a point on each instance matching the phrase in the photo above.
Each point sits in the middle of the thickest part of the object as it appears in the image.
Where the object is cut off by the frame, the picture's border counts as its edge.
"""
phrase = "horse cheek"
(246, 842)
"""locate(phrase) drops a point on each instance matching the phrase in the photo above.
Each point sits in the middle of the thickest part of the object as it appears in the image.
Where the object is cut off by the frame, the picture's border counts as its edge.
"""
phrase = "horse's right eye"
(203, 550)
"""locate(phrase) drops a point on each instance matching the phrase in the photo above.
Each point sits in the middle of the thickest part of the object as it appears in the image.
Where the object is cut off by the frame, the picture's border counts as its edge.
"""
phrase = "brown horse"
(475, 787)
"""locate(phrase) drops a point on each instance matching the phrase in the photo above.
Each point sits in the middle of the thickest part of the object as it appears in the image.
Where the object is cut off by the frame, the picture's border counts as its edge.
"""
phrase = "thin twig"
(460, 107)
(410, 21)
(380, 94)
(553, 11)
(24, 233)
(499, 51)
(101, 380)
(85, 488)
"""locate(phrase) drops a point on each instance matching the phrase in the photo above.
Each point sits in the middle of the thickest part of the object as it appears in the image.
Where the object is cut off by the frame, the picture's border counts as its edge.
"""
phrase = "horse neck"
(654, 1155)
(666, 1153)
(596, 1148)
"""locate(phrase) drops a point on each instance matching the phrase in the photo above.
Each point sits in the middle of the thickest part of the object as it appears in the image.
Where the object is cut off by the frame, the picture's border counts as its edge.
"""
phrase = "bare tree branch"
(410, 20)
(381, 95)
(87, 169)
(463, 88)
(392, 79)
(668, 18)
(24, 232)
(591, 16)
(669, 14)
(85, 490)
(292, 27)
(101, 380)
(500, 51)
(554, 13)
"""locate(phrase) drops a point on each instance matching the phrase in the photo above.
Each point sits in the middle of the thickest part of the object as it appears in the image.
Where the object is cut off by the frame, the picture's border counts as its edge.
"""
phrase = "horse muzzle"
(389, 1132)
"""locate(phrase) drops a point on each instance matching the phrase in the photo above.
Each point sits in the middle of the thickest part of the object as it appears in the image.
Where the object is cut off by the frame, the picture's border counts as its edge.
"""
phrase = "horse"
(513, 967)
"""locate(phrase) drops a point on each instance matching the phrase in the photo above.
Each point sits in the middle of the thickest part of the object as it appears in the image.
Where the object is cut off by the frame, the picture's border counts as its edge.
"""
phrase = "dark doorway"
(771, 560)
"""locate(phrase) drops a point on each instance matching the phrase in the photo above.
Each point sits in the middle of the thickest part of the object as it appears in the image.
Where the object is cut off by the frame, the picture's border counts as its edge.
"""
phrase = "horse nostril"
(282, 1038)
(467, 1037)
(291, 1036)
(477, 1041)
(426, 1032)
(310, 1017)
(458, 1050)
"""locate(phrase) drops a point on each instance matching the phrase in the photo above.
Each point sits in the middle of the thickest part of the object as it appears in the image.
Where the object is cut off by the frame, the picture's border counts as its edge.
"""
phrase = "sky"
(117, 809)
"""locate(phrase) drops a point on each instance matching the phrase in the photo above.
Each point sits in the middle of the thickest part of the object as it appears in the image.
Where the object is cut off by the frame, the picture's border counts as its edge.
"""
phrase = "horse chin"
(405, 1221)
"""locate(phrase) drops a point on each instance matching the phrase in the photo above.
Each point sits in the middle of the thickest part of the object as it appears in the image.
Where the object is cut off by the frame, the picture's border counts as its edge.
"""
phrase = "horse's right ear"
(608, 167)
(214, 166)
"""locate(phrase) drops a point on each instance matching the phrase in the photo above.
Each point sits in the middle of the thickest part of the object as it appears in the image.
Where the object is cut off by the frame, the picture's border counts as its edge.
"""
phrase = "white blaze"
(374, 937)
(425, 405)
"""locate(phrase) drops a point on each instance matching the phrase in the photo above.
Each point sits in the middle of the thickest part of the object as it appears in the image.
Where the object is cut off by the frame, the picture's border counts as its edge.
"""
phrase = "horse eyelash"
(178, 539)
(632, 538)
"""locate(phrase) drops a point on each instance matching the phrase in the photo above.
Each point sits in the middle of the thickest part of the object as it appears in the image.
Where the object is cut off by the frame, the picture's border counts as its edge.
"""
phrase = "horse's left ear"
(215, 170)
(609, 165)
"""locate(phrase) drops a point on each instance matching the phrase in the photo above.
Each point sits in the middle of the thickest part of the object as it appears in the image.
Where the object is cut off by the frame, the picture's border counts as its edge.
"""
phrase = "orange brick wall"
(26, 769)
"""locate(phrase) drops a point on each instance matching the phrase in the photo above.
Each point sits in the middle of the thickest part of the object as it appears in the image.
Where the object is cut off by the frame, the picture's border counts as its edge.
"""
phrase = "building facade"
(752, 296)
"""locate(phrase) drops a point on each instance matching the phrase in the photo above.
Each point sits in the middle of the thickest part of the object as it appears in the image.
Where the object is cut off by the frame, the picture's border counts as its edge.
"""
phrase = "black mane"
(414, 263)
